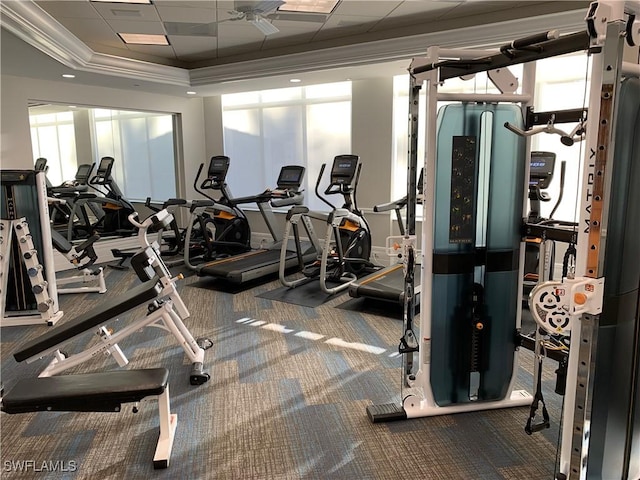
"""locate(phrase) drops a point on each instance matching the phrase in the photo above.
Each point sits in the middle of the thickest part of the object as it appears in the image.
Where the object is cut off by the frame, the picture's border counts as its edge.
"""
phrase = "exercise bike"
(347, 243)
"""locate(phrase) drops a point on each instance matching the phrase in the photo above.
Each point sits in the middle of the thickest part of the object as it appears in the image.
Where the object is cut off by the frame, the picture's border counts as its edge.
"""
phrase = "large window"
(141, 143)
(560, 84)
(266, 130)
(53, 138)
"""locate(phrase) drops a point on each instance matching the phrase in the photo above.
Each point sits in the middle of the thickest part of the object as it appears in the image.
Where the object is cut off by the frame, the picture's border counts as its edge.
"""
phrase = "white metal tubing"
(426, 297)
(630, 69)
(46, 256)
(87, 277)
(168, 424)
(483, 97)
(283, 254)
(184, 337)
(415, 408)
(58, 366)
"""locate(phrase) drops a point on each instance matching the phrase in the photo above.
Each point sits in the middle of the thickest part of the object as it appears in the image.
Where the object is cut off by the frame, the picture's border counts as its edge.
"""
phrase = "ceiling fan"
(254, 13)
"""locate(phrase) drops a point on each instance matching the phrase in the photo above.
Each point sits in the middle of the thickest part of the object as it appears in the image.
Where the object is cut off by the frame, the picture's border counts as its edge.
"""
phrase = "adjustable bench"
(98, 392)
(40, 346)
(160, 314)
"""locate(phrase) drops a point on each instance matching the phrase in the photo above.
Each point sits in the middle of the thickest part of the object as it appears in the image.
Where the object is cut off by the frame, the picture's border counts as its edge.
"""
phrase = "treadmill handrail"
(385, 207)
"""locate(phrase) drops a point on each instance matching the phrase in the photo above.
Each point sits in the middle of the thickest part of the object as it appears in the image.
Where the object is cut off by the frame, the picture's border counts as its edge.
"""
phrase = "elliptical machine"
(347, 243)
(110, 210)
(541, 168)
(217, 227)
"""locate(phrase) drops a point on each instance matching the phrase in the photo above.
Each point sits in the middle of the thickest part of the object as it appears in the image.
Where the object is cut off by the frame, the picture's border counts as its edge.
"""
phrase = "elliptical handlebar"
(195, 182)
(317, 189)
(563, 169)
(355, 190)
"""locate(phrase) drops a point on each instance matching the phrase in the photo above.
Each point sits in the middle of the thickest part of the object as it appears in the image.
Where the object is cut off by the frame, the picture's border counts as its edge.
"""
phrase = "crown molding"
(484, 36)
(32, 24)
(27, 21)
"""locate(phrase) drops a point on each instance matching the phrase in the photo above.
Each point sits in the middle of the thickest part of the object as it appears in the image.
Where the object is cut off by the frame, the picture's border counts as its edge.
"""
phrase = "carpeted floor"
(286, 400)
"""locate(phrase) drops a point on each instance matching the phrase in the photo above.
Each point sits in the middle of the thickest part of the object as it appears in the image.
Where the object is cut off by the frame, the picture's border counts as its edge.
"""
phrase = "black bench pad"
(87, 392)
(99, 315)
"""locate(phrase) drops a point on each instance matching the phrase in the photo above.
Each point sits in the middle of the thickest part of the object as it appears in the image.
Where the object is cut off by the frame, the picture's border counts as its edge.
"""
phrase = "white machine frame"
(168, 316)
(48, 312)
(582, 293)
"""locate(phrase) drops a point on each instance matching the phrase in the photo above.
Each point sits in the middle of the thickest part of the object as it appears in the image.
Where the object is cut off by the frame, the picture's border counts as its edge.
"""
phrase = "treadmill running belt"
(240, 269)
(386, 284)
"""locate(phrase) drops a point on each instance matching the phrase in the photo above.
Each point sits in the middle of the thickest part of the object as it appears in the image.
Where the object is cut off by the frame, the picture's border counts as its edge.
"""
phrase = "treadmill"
(387, 284)
(262, 262)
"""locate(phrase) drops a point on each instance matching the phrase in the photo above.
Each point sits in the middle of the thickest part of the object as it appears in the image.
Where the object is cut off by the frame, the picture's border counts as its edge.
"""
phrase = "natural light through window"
(266, 130)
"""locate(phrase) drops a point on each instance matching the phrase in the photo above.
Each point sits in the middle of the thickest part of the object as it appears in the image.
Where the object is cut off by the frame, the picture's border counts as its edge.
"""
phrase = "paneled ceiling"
(208, 47)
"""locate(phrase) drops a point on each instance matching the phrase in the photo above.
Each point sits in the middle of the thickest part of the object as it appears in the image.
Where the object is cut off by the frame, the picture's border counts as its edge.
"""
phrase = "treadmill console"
(218, 168)
(103, 174)
(83, 173)
(104, 169)
(290, 177)
(541, 169)
(344, 169)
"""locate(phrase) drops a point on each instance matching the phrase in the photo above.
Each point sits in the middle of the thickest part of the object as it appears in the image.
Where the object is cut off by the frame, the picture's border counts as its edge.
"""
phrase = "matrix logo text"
(37, 466)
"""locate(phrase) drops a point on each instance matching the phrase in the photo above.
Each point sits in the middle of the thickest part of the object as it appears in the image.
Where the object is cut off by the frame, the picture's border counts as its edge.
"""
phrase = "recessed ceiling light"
(145, 2)
(144, 39)
(191, 93)
(309, 6)
(295, 80)
(68, 75)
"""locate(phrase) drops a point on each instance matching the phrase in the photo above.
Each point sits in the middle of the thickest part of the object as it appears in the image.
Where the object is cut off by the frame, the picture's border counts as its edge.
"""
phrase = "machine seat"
(88, 392)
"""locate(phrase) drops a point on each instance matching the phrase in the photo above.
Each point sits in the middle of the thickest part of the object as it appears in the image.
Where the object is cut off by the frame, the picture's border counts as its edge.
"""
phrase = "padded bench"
(98, 392)
(104, 312)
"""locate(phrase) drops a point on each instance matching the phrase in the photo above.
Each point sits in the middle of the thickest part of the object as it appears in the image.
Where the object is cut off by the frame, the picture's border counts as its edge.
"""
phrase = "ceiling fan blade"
(263, 25)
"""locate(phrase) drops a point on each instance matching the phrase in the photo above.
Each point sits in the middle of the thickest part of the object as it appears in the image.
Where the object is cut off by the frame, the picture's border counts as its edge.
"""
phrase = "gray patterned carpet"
(286, 400)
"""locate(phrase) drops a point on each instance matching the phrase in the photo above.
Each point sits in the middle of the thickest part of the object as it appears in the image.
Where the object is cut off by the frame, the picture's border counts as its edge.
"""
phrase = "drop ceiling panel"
(188, 15)
(124, 26)
(97, 30)
(293, 28)
(195, 22)
(72, 9)
(238, 49)
(210, 4)
(165, 51)
(301, 38)
(412, 8)
(370, 9)
(120, 11)
(340, 25)
(241, 31)
(194, 48)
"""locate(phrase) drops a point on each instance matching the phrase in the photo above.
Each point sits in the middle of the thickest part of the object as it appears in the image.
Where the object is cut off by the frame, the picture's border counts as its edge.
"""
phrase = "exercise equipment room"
(320, 239)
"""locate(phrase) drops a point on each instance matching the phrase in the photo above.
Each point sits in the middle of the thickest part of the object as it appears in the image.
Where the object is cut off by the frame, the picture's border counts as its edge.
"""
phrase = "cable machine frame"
(604, 41)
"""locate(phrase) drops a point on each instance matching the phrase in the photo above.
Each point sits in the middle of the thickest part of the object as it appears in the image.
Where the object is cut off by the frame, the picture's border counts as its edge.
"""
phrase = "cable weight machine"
(599, 437)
